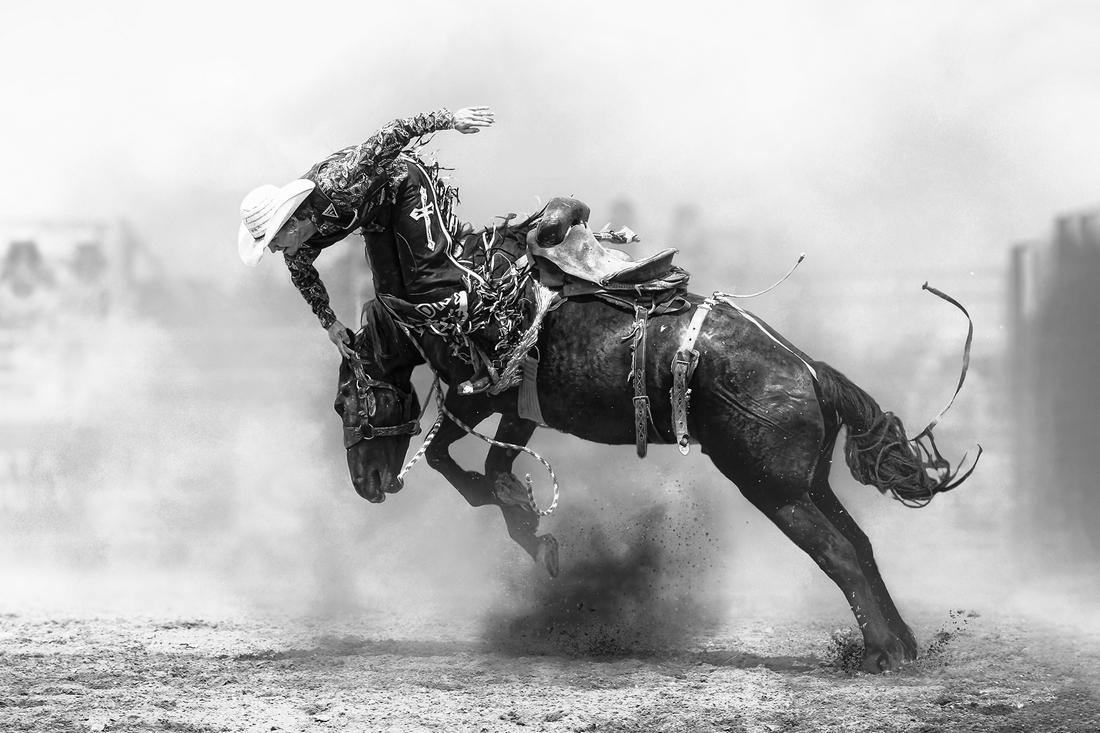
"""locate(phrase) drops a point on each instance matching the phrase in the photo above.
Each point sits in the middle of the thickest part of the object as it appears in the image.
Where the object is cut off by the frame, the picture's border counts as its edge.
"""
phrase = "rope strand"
(427, 438)
(443, 411)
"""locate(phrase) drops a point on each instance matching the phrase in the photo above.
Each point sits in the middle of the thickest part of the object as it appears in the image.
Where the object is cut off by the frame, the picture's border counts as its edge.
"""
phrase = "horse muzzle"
(373, 486)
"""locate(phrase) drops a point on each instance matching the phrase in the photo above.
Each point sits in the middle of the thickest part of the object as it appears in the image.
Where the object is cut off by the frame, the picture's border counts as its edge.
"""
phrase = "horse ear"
(356, 339)
(345, 371)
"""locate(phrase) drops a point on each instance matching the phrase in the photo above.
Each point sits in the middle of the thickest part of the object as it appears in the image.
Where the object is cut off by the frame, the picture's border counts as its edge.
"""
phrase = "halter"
(364, 383)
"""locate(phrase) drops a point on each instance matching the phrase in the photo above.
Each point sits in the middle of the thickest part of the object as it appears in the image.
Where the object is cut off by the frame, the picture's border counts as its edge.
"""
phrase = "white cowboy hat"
(263, 213)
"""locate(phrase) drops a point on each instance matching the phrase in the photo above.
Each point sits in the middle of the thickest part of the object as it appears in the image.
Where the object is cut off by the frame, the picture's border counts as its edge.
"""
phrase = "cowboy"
(380, 188)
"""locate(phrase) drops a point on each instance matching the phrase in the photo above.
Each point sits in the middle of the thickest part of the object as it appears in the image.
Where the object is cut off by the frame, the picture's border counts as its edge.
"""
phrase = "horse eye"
(372, 404)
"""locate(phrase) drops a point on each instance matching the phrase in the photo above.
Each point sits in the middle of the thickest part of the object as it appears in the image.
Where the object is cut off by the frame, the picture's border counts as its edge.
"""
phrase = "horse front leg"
(474, 487)
(497, 486)
(519, 514)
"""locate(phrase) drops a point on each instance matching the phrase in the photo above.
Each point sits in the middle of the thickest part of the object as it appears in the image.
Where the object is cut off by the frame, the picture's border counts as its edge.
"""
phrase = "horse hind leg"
(796, 515)
(823, 497)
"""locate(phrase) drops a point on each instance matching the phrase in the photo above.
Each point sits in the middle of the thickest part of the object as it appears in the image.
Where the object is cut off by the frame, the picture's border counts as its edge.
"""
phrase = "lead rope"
(443, 411)
(427, 438)
(510, 446)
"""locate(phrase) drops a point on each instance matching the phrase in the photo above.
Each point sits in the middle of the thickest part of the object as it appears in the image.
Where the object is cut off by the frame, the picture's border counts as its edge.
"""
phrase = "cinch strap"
(641, 400)
(683, 366)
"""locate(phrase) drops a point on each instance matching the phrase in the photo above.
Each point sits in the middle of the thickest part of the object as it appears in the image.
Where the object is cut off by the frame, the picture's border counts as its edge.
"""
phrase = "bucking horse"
(614, 368)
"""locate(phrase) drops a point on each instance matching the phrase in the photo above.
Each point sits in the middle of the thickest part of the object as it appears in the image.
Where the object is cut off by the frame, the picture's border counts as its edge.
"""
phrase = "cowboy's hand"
(469, 119)
(339, 335)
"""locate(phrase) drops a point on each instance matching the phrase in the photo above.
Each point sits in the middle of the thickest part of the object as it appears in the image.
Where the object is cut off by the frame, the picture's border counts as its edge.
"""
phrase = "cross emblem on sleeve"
(425, 211)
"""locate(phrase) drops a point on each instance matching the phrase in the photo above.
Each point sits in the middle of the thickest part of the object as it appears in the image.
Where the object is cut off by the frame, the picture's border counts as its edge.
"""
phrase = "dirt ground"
(982, 670)
(272, 606)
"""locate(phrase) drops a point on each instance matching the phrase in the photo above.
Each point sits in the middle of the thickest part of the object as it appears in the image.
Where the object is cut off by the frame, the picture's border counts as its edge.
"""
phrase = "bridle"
(364, 383)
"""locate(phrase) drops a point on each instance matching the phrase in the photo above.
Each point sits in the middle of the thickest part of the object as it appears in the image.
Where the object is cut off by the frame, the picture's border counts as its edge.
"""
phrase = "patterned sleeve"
(308, 281)
(348, 175)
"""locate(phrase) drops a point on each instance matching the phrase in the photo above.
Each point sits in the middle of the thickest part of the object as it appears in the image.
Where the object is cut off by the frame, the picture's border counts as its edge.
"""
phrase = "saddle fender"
(582, 257)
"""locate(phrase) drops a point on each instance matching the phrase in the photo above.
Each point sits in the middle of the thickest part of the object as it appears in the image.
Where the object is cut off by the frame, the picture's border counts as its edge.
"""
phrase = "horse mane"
(380, 335)
(516, 227)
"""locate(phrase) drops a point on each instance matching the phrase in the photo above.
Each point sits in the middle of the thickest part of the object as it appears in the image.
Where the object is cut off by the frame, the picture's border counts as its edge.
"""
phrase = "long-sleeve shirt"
(352, 185)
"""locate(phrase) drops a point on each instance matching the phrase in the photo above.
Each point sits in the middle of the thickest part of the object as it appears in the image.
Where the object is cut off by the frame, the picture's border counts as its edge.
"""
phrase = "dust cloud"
(181, 448)
(193, 460)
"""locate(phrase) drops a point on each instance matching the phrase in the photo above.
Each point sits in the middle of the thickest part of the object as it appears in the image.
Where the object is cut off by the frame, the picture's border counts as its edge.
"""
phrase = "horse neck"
(396, 367)
(388, 356)
(442, 359)
(508, 238)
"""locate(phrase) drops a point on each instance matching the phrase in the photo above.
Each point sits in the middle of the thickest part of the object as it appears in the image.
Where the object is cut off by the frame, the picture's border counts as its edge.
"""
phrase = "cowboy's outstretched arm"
(392, 139)
(308, 281)
(365, 161)
(350, 176)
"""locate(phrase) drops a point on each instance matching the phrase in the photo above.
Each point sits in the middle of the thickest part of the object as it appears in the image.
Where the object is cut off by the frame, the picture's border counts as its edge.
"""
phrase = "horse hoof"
(510, 492)
(909, 642)
(547, 554)
(887, 659)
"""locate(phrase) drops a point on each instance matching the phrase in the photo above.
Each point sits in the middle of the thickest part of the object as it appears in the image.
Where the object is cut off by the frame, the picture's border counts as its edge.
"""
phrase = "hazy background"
(187, 438)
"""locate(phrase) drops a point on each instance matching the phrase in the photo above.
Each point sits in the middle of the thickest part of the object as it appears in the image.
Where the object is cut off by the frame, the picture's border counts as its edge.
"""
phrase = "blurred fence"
(1055, 359)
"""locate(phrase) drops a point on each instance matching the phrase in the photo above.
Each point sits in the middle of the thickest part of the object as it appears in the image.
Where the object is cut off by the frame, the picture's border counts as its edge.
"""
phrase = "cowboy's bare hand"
(469, 119)
(339, 335)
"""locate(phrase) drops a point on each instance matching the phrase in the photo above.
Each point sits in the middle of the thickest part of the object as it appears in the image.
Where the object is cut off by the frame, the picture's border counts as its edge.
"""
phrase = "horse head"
(380, 411)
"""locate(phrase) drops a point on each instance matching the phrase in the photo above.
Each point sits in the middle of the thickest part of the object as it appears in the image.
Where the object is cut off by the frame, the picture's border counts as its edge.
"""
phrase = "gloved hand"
(340, 336)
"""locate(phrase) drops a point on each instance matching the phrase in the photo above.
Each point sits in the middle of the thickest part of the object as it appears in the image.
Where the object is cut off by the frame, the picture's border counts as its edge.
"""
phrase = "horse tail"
(877, 451)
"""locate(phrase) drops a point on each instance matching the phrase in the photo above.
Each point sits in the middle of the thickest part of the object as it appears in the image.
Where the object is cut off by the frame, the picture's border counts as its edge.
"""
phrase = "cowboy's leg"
(482, 345)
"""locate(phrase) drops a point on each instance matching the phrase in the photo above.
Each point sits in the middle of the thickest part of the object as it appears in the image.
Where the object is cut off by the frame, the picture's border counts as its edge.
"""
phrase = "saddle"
(581, 256)
(580, 264)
